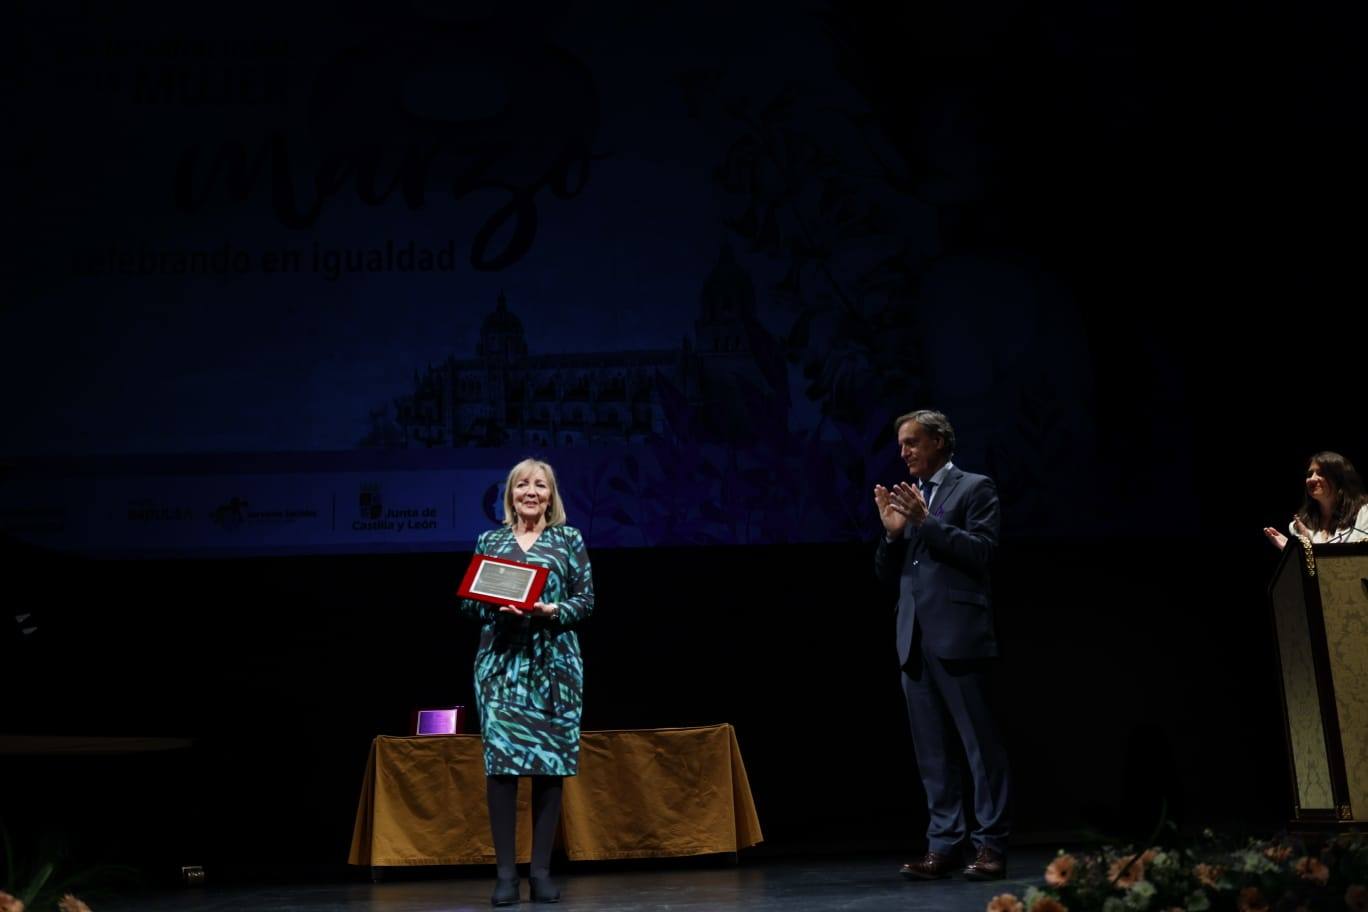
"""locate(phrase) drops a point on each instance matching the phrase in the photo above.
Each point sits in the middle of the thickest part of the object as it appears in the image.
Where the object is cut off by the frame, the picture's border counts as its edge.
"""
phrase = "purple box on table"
(445, 720)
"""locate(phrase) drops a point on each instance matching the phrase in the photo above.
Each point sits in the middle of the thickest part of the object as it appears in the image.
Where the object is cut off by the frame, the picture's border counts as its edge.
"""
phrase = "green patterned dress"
(529, 676)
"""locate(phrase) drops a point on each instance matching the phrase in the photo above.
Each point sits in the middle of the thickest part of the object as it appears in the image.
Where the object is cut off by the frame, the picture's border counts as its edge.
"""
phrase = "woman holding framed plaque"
(529, 675)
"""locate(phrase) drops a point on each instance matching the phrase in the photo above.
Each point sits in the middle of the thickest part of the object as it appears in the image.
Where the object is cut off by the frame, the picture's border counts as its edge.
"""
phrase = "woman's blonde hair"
(555, 509)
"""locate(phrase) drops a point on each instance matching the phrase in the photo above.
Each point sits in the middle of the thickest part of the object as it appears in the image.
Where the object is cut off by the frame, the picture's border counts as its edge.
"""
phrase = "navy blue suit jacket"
(941, 570)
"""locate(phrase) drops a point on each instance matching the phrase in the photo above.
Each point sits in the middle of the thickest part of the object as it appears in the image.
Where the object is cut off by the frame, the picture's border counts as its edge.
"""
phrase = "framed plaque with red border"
(500, 581)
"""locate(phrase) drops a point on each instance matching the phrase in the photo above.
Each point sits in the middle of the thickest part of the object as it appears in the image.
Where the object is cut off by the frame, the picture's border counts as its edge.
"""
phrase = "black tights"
(503, 822)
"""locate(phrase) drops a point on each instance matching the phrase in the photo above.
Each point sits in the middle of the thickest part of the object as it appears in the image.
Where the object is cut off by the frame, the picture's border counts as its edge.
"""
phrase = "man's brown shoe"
(932, 866)
(987, 865)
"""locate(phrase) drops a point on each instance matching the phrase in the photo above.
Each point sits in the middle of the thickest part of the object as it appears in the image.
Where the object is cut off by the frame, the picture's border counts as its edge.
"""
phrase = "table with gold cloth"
(643, 793)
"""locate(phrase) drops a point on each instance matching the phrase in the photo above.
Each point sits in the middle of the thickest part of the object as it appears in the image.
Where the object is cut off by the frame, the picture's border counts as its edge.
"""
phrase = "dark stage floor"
(793, 885)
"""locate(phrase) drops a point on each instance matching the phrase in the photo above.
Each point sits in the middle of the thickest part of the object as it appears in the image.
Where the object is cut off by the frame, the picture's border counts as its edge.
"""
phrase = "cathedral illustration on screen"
(705, 390)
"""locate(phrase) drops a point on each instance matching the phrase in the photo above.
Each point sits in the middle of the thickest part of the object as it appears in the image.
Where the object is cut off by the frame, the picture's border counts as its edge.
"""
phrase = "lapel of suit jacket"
(940, 498)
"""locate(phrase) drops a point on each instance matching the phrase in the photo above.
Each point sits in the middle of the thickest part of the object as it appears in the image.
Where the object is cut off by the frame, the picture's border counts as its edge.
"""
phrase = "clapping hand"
(898, 506)
(1279, 540)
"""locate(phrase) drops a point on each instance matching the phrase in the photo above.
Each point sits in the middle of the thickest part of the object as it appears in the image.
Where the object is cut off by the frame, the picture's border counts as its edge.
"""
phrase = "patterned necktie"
(926, 488)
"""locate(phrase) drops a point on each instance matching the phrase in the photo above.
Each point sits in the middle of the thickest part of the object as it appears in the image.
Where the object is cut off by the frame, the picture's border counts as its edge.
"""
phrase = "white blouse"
(1358, 531)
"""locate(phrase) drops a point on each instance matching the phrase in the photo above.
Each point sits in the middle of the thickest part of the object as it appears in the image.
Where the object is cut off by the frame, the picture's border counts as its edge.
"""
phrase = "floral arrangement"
(67, 903)
(45, 885)
(1280, 875)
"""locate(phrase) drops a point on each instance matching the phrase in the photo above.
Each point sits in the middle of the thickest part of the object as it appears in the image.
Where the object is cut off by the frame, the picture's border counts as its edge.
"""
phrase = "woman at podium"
(1335, 508)
(529, 676)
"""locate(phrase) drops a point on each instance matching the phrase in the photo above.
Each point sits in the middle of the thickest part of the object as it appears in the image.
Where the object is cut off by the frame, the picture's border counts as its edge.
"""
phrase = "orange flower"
(1356, 898)
(1048, 904)
(9, 903)
(1060, 871)
(1126, 873)
(1005, 902)
(70, 903)
(1278, 853)
(1309, 868)
(1251, 900)
(1208, 875)
(1134, 872)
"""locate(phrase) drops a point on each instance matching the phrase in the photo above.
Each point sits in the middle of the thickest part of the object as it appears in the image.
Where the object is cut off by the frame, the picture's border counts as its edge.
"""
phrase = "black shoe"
(988, 865)
(505, 892)
(543, 890)
(931, 866)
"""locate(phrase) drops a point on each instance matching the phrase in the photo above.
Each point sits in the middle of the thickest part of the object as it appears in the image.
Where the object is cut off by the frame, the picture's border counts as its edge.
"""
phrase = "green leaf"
(28, 893)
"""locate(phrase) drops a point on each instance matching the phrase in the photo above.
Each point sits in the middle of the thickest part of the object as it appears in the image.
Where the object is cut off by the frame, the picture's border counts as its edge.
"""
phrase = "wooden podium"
(1320, 612)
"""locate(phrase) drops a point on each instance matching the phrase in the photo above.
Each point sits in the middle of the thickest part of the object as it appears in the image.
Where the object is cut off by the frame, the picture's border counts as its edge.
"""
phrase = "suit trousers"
(945, 695)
